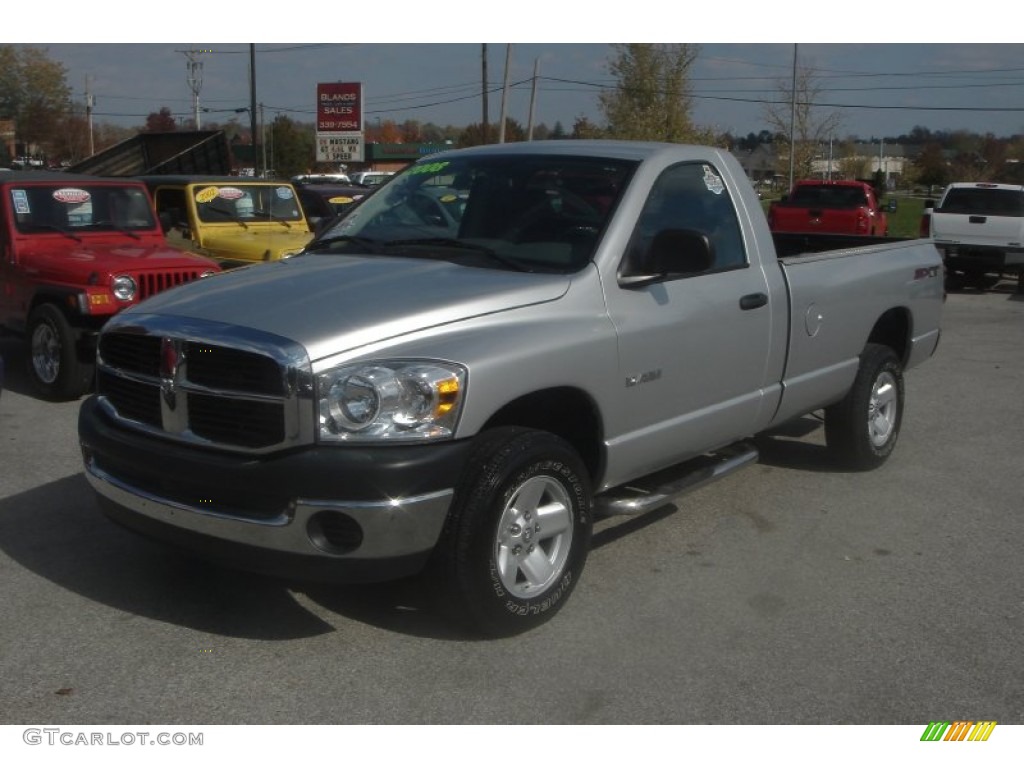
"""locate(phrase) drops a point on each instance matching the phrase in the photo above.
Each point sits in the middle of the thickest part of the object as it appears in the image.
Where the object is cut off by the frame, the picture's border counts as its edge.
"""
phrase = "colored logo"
(959, 730)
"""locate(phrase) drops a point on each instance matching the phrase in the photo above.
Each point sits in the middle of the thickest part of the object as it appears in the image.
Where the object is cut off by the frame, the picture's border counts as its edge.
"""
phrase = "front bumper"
(325, 512)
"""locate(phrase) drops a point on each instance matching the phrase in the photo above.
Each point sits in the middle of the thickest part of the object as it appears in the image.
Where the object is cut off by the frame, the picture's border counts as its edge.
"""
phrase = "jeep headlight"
(407, 400)
(123, 287)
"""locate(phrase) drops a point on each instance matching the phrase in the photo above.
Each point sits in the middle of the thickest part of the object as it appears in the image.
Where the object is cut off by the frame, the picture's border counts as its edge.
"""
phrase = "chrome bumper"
(391, 528)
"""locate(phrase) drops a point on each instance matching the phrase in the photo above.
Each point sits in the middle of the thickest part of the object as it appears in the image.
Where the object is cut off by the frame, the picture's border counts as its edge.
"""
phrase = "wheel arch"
(893, 330)
(567, 412)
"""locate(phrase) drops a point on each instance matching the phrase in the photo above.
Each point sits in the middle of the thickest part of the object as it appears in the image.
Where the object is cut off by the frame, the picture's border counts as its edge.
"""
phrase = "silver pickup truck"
(500, 346)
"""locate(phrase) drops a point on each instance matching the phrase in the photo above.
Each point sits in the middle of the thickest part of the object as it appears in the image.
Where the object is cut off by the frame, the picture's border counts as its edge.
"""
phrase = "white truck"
(979, 229)
(502, 344)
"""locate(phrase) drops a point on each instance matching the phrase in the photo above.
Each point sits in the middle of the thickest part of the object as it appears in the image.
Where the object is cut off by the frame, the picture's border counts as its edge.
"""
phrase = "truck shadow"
(787, 447)
(56, 532)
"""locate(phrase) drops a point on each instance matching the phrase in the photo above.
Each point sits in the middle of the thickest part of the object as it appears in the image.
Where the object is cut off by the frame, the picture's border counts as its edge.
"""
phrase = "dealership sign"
(339, 122)
(339, 107)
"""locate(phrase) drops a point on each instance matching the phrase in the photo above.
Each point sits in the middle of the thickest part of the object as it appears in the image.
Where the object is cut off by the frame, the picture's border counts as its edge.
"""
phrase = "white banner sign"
(339, 148)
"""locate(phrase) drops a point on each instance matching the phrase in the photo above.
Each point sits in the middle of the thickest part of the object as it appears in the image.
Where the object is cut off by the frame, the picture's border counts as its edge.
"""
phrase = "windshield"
(72, 208)
(530, 212)
(825, 196)
(984, 202)
(246, 202)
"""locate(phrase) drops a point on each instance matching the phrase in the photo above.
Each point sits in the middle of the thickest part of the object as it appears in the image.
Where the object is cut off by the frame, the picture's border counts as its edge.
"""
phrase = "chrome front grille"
(244, 391)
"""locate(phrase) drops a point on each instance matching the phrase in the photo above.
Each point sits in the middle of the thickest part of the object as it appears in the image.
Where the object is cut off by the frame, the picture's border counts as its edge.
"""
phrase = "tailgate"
(977, 229)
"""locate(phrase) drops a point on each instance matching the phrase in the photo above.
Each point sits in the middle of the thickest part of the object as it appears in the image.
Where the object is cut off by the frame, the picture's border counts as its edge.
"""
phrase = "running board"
(661, 488)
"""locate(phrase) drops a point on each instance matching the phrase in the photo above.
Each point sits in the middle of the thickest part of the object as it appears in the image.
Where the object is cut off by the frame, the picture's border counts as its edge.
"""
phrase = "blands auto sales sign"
(339, 107)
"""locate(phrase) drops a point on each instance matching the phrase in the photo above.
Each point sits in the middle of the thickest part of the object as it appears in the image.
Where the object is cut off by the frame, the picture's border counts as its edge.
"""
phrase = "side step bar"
(662, 487)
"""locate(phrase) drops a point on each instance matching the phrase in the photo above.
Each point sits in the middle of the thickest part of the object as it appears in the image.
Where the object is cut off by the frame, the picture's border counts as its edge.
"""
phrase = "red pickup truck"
(835, 207)
(75, 250)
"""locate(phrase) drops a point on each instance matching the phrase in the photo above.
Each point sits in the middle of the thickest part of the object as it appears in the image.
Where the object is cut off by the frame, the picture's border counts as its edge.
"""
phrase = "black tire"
(54, 369)
(862, 429)
(502, 571)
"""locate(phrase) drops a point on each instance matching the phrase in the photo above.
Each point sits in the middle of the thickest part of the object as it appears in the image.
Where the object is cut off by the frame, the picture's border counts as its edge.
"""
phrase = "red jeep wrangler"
(74, 250)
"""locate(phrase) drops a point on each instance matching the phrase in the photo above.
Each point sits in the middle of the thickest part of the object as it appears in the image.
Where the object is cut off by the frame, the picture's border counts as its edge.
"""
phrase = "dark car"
(322, 202)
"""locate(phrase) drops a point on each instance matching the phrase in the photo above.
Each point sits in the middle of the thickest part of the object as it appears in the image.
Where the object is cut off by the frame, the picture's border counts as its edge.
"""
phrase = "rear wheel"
(517, 537)
(862, 429)
(53, 365)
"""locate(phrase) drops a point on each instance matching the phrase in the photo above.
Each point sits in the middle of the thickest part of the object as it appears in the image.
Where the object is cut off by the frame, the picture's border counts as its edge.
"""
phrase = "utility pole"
(483, 91)
(263, 137)
(194, 78)
(252, 104)
(504, 94)
(792, 122)
(533, 100)
(88, 112)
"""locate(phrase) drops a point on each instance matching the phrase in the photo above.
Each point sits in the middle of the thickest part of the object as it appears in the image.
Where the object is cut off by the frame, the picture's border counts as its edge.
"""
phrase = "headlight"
(407, 400)
(207, 273)
(123, 287)
(289, 254)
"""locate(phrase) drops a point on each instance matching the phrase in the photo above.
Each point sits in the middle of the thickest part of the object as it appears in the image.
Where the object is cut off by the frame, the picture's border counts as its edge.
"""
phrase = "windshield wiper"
(451, 242)
(55, 228)
(325, 243)
(118, 227)
(272, 217)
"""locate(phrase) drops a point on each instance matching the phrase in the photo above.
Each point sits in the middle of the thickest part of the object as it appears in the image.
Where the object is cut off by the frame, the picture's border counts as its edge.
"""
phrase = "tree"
(584, 129)
(473, 135)
(812, 126)
(651, 100)
(292, 144)
(930, 167)
(35, 95)
(160, 122)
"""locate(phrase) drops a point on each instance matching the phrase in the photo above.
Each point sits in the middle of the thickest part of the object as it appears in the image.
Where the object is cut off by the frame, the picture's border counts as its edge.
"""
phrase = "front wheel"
(53, 365)
(862, 428)
(518, 534)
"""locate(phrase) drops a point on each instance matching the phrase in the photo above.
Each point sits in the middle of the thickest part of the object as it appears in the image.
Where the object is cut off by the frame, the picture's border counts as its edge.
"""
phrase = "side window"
(691, 196)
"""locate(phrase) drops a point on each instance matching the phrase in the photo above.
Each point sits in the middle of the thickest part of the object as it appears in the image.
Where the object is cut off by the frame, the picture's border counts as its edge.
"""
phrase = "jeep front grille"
(152, 283)
(243, 392)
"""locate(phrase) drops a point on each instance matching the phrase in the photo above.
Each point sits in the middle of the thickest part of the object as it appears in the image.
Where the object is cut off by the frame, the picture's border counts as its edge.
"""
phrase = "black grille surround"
(208, 384)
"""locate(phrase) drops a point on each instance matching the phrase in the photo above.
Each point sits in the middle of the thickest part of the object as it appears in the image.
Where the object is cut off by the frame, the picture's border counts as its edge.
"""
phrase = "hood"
(333, 303)
(252, 244)
(66, 260)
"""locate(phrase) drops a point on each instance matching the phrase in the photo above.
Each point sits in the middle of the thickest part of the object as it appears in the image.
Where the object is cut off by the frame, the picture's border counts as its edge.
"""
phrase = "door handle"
(753, 300)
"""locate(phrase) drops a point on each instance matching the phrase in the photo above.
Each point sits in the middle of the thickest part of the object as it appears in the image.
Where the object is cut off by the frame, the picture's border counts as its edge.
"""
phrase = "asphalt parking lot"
(788, 593)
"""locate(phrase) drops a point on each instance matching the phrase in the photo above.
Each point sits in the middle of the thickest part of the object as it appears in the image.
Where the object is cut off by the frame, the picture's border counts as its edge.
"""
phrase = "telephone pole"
(483, 91)
(88, 112)
(194, 78)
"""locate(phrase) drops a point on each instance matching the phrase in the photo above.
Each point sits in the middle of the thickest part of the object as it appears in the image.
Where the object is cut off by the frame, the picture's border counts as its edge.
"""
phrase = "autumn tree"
(651, 100)
(34, 94)
(583, 128)
(473, 135)
(812, 126)
(160, 122)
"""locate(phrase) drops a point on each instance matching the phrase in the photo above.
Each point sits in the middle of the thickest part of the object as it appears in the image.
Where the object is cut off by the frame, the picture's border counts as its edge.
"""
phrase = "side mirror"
(929, 204)
(672, 253)
(891, 206)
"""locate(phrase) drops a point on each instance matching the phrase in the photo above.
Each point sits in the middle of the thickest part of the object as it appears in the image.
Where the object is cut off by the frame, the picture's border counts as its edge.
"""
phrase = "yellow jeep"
(233, 219)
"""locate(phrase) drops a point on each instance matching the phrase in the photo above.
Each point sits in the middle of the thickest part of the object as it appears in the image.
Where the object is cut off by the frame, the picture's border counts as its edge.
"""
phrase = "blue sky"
(881, 88)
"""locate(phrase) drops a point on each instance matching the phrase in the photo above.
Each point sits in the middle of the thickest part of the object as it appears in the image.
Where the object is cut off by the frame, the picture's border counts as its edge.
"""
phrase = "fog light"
(334, 532)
